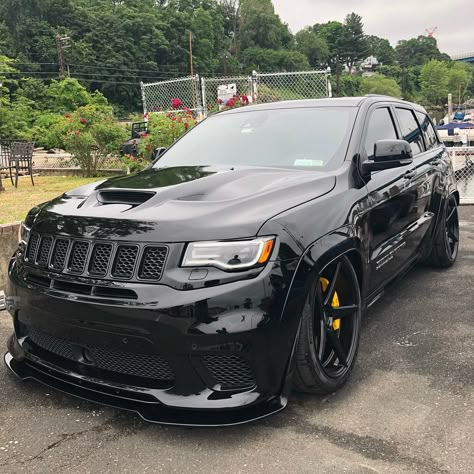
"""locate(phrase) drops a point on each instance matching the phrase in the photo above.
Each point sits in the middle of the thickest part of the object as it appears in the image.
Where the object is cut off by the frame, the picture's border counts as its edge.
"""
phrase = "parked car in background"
(138, 131)
(240, 265)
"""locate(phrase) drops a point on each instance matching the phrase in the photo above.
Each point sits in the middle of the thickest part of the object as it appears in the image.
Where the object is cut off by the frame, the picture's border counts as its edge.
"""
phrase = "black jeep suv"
(200, 290)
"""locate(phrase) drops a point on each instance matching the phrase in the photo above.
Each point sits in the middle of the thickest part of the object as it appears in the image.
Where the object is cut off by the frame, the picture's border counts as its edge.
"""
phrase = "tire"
(446, 241)
(318, 367)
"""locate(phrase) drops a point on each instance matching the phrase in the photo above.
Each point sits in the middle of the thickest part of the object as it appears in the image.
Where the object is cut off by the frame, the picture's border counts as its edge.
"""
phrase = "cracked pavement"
(407, 408)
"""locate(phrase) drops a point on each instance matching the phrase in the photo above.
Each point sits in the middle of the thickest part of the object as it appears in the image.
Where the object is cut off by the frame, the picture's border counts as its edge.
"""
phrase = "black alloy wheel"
(330, 326)
(452, 228)
(446, 242)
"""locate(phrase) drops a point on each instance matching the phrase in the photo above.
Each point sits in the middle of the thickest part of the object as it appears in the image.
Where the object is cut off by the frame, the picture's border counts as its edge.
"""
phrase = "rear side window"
(429, 133)
(410, 130)
(380, 127)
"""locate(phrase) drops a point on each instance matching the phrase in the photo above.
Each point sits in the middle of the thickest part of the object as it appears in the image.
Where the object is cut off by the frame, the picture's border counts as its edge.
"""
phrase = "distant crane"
(430, 32)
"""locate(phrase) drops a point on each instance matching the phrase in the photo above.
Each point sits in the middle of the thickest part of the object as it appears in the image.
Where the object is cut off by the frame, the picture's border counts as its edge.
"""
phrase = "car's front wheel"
(329, 334)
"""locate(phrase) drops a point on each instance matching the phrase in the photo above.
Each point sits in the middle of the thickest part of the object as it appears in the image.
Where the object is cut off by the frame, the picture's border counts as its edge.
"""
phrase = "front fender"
(312, 261)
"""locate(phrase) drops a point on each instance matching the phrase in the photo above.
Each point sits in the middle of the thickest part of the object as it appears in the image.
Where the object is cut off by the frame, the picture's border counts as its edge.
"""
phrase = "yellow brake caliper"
(336, 324)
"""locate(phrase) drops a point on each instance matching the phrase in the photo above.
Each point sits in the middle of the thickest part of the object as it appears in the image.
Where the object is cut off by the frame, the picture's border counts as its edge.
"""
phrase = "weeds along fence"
(201, 94)
(463, 163)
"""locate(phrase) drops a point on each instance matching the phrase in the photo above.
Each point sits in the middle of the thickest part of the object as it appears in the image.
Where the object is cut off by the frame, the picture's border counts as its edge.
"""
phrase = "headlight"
(230, 255)
(23, 233)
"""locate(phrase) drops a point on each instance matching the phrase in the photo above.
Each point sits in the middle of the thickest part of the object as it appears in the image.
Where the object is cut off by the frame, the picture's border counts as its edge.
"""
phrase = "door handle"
(409, 175)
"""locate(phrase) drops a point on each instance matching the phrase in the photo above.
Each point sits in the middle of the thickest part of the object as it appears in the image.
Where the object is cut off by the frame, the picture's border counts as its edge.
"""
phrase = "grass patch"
(15, 203)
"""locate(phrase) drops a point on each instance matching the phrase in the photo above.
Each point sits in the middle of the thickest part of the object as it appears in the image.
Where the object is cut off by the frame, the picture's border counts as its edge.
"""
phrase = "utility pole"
(191, 52)
(61, 45)
(225, 64)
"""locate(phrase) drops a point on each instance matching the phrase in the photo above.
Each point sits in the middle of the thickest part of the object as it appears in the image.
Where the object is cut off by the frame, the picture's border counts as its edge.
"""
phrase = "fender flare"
(313, 260)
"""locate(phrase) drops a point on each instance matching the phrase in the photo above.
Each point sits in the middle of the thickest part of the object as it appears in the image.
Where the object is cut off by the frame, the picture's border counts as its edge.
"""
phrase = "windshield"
(298, 137)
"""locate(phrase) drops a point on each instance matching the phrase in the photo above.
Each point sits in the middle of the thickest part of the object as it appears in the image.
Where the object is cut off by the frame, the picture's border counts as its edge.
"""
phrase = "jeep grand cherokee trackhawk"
(199, 291)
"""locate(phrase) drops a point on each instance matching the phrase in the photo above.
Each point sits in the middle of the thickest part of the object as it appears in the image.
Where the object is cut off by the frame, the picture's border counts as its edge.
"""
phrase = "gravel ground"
(407, 408)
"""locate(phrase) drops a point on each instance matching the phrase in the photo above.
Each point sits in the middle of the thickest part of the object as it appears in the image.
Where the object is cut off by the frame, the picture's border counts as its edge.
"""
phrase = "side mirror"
(388, 154)
(157, 152)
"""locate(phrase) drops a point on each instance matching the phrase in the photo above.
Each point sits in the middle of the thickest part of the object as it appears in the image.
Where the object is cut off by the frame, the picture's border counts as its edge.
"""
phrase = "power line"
(118, 67)
(80, 74)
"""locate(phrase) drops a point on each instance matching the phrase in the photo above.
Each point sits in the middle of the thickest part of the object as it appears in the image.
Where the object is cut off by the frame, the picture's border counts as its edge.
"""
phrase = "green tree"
(350, 85)
(313, 46)
(459, 80)
(378, 84)
(261, 27)
(333, 33)
(417, 51)
(270, 60)
(354, 43)
(434, 79)
(381, 49)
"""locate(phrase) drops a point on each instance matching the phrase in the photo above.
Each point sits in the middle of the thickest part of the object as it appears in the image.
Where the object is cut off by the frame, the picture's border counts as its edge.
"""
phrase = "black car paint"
(384, 224)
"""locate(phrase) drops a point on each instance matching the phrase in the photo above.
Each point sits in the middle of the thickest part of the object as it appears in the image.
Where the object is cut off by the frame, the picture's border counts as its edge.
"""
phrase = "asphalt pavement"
(407, 408)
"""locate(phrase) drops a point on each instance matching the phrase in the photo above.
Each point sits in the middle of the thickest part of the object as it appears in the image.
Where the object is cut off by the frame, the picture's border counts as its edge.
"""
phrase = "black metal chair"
(21, 159)
(5, 155)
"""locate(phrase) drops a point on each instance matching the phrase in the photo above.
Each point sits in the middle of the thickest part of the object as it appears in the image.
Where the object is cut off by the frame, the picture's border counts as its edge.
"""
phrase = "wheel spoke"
(332, 286)
(453, 236)
(344, 311)
(451, 214)
(336, 345)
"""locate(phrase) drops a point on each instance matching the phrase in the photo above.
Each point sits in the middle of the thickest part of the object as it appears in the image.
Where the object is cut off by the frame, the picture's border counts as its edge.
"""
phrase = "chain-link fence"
(463, 163)
(210, 88)
(45, 161)
(275, 87)
(202, 95)
(175, 94)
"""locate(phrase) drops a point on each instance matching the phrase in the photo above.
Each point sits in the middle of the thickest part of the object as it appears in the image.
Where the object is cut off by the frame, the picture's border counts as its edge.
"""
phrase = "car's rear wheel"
(329, 334)
(446, 242)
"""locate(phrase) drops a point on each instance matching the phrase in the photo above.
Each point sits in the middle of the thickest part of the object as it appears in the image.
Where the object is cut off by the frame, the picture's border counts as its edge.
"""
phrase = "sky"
(391, 19)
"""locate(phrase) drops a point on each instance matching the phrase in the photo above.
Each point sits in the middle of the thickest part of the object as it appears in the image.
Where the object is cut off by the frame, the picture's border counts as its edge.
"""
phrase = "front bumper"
(238, 321)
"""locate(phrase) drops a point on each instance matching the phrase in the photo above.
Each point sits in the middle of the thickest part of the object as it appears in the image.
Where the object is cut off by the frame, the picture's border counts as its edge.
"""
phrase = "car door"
(423, 171)
(392, 198)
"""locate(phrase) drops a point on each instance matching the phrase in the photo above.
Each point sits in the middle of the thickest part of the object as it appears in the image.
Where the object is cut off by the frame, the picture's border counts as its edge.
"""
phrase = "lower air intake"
(231, 371)
(125, 363)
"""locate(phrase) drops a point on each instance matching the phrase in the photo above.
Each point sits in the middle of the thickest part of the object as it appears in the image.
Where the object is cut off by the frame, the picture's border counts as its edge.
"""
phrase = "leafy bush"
(90, 135)
(379, 84)
(134, 164)
(164, 130)
(43, 132)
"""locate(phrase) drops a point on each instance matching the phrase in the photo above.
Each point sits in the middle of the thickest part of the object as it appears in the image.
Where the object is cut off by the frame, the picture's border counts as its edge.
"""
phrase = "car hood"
(182, 203)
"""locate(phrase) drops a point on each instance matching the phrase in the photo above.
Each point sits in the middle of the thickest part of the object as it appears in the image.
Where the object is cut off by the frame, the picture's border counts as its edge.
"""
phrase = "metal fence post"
(254, 86)
(142, 89)
(204, 98)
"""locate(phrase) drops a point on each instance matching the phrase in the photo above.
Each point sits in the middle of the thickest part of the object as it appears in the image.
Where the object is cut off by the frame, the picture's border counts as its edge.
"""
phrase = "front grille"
(59, 254)
(124, 363)
(125, 261)
(43, 253)
(230, 371)
(152, 263)
(102, 260)
(77, 259)
(33, 247)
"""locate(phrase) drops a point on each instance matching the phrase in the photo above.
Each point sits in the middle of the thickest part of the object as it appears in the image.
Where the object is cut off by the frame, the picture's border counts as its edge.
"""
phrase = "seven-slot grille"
(120, 261)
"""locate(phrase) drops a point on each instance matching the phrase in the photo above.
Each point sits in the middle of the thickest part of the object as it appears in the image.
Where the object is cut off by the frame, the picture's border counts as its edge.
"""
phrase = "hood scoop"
(132, 198)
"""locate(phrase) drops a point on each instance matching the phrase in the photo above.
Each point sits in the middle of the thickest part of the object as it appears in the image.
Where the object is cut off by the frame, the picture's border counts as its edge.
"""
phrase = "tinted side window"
(380, 128)
(429, 133)
(410, 130)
